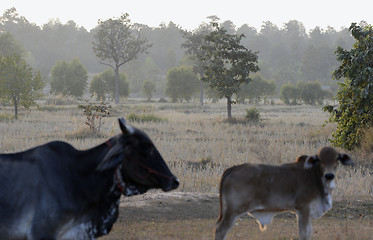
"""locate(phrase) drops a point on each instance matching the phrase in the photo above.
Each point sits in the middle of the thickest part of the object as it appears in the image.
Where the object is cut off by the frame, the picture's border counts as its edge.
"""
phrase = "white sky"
(190, 13)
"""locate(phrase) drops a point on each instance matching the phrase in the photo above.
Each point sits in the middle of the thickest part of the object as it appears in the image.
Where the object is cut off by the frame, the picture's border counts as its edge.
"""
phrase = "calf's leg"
(223, 225)
(304, 225)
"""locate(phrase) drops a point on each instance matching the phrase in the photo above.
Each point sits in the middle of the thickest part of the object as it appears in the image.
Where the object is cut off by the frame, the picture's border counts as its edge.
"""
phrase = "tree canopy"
(355, 96)
(115, 44)
(69, 79)
(227, 63)
(103, 84)
(286, 53)
(182, 83)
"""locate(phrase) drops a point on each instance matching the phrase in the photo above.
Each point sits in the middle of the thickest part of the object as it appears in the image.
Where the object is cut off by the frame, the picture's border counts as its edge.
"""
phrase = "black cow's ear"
(311, 161)
(345, 159)
(126, 129)
(112, 159)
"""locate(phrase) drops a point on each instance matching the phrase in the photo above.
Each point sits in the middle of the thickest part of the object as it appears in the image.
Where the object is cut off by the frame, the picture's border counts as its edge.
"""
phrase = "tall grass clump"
(133, 117)
(5, 117)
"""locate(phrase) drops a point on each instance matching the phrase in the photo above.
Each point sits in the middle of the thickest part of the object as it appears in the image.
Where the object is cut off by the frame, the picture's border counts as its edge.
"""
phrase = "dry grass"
(199, 145)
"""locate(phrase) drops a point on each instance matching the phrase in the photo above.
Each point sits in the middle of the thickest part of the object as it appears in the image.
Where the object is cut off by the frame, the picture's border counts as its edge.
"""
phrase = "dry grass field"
(198, 144)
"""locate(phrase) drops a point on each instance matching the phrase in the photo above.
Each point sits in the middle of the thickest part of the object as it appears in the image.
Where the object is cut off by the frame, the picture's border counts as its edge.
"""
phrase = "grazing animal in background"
(55, 191)
(304, 187)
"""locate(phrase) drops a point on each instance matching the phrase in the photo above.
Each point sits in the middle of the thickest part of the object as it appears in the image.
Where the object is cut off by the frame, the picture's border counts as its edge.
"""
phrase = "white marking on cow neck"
(113, 210)
(22, 226)
(82, 231)
(330, 185)
(320, 206)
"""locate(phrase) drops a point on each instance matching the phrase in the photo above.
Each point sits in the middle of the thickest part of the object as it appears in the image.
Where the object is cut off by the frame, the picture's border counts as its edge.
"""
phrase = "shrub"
(252, 115)
(6, 117)
(95, 111)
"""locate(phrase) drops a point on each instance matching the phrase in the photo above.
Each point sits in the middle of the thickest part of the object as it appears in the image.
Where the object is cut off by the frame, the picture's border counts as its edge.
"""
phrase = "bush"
(252, 115)
(6, 117)
(95, 111)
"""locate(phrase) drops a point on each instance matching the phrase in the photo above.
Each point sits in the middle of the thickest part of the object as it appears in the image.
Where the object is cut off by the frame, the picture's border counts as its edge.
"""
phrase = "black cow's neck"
(94, 156)
(100, 190)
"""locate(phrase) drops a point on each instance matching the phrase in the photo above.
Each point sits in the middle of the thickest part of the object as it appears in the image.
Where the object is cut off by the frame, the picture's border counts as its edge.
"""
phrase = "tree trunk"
(15, 109)
(229, 107)
(201, 100)
(116, 85)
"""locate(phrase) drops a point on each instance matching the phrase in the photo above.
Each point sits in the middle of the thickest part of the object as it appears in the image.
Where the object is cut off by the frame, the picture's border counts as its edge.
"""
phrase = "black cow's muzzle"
(171, 185)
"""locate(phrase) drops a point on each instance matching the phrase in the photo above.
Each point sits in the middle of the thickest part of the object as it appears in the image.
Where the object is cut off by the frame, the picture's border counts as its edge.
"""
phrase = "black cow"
(54, 191)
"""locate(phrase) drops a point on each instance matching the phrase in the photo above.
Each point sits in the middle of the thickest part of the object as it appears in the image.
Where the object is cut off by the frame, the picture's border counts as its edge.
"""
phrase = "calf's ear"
(311, 161)
(302, 159)
(345, 159)
(112, 159)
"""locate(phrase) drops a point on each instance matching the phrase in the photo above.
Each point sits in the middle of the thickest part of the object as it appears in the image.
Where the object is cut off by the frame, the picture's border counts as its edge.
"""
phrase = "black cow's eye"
(147, 148)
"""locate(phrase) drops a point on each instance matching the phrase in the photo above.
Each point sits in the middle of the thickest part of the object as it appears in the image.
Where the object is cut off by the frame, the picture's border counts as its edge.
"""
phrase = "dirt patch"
(187, 206)
(181, 215)
(170, 206)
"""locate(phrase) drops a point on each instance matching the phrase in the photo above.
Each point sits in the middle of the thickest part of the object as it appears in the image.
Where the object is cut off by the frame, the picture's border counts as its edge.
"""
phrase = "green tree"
(256, 90)
(9, 46)
(227, 63)
(182, 83)
(115, 44)
(98, 86)
(289, 94)
(104, 84)
(69, 78)
(310, 92)
(354, 113)
(193, 45)
(19, 84)
(148, 88)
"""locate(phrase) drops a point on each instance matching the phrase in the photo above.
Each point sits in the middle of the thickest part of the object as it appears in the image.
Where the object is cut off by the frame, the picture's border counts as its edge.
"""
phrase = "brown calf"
(303, 187)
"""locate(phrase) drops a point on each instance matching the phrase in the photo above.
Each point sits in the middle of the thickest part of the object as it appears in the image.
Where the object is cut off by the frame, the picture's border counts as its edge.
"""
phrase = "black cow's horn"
(126, 129)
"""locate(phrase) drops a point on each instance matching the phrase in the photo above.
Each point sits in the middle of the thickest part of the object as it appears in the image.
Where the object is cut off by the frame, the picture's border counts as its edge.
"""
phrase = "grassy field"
(198, 144)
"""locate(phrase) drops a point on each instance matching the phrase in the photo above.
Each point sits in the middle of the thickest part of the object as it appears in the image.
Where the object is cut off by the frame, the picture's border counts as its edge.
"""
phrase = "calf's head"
(327, 161)
(141, 165)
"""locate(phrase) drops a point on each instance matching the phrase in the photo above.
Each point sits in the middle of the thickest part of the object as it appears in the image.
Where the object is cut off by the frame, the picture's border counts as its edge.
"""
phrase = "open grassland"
(198, 144)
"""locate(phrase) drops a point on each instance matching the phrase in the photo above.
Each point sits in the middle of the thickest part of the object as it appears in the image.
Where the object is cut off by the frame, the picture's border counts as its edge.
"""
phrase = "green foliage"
(94, 111)
(256, 90)
(289, 94)
(104, 84)
(304, 92)
(19, 83)
(193, 45)
(252, 115)
(9, 46)
(310, 92)
(182, 83)
(355, 96)
(115, 44)
(133, 117)
(227, 63)
(69, 79)
(148, 88)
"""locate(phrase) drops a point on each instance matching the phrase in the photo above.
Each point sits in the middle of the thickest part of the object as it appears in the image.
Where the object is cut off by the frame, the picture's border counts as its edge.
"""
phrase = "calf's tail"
(224, 176)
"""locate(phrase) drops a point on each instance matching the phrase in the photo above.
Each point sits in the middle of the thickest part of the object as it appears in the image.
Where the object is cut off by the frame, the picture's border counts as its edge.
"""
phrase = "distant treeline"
(287, 54)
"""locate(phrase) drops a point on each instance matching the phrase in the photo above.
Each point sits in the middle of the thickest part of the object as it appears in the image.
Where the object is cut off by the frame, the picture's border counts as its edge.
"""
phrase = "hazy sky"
(190, 13)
